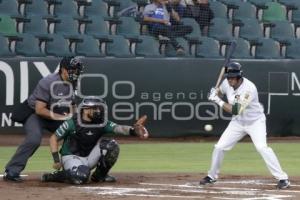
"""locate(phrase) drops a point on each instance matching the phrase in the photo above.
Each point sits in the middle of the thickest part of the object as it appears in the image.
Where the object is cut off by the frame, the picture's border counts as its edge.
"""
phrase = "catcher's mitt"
(140, 129)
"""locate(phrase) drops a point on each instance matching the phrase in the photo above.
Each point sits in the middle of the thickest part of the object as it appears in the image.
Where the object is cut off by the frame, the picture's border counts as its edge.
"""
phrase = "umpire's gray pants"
(71, 161)
(33, 126)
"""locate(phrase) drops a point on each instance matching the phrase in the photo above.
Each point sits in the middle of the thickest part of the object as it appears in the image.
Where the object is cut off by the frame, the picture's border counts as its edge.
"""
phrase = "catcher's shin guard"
(109, 156)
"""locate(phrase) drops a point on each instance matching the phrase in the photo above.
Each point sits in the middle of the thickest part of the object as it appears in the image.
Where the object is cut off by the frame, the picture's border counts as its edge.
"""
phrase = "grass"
(179, 157)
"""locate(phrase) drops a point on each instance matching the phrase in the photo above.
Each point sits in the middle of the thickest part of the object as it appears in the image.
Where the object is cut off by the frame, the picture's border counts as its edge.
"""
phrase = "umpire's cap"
(71, 63)
(233, 70)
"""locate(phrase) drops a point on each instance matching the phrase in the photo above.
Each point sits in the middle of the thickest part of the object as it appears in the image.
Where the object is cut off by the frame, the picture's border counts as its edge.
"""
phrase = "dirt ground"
(149, 186)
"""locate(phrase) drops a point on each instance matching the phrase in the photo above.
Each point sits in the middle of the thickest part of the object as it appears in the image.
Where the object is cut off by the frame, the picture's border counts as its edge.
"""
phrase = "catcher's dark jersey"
(80, 140)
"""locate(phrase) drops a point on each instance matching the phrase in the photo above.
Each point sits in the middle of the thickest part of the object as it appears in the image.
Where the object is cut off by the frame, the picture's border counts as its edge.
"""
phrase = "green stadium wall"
(172, 92)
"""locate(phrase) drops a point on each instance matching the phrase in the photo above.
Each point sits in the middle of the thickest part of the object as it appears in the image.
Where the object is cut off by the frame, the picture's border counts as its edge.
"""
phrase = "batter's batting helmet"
(99, 105)
(74, 67)
(233, 70)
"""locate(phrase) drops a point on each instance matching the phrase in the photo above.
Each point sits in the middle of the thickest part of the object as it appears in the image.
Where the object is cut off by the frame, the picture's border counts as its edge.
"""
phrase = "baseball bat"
(227, 60)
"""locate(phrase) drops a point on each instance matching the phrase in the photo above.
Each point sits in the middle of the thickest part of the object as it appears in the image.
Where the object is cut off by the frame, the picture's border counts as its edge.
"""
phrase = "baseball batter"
(248, 119)
(83, 147)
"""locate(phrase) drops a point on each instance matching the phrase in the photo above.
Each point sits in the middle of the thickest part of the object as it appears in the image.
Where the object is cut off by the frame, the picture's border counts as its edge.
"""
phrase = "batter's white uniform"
(251, 121)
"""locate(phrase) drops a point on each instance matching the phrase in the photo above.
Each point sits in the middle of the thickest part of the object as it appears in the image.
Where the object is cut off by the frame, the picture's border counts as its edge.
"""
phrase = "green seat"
(7, 26)
(209, 48)
(292, 50)
(36, 25)
(219, 9)
(196, 33)
(244, 10)
(220, 29)
(118, 47)
(96, 8)
(67, 26)
(296, 16)
(148, 47)
(29, 46)
(267, 49)
(251, 29)
(58, 46)
(259, 3)
(123, 4)
(88, 47)
(242, 50)
(128, 27)
(65, 7)
(5, 50)
(282, 31)
(9, 7)
(36, 7)
(98, 27)
(274, 12)
(171, 52)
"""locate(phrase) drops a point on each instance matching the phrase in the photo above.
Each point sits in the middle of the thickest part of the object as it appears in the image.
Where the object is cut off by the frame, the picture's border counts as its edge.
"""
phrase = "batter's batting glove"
(139, 128)
(213, 96)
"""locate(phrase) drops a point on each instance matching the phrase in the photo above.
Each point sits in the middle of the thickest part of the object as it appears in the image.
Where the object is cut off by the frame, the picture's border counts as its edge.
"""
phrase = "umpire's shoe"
(282, 184)
(107, 178)
(8, 176)
(207, 180)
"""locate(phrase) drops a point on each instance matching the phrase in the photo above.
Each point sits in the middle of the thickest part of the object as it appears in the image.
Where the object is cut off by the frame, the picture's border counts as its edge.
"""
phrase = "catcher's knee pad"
(109, 150)
(79, 175)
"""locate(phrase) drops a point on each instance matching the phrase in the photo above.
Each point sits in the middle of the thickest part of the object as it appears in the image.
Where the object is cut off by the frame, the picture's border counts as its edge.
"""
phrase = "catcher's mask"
(74, 67)
(97, 106)
(233, 70)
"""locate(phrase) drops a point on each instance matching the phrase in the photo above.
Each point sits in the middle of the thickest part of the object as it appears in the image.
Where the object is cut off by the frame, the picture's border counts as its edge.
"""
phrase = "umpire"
(46, 108)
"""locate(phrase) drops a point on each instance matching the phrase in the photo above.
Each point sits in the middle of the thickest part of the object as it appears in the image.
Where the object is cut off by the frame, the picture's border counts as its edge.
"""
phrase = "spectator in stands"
(157, 16)
(202, 13)
(179, 8)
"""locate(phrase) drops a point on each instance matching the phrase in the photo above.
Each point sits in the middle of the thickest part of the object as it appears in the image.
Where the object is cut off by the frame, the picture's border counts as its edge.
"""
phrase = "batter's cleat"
(12, 177)
(207, 180)
(282, 184)
(107, 178)
(56, 176)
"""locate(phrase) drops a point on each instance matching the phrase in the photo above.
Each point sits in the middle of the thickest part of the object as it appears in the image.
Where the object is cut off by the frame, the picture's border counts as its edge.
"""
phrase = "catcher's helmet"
(74, 67)
(99, 107)
(233, 70)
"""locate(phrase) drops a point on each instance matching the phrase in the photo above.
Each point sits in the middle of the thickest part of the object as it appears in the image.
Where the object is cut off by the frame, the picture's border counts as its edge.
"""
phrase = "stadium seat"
(267, 49)
(96, 8)
(242, 50)
(118, 47)
(259, 3)
(196, 33)
(29, 46)
(147, 47)
(5, 50)
(293, 49)
(88, 47)
(9, 7)
(221, 30)
(66, 25)
(35, 25)
(8, 26)
(274, 12)
(209, 48)
(244, 10)
(251, 30)
(123, 4)
(97, 27)
(282, 31)
(128, 27)
(219, 9)
(171, 52)
(58, 46)
(296, 17)
(65, 7)
(36, 7)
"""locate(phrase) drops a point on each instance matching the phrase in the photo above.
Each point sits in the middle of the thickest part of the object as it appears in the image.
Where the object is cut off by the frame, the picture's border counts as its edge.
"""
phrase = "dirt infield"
(164, 186)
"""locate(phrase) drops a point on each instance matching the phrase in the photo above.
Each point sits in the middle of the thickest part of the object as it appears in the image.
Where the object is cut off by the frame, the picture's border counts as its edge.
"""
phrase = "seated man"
(157, 16)
(83, 149)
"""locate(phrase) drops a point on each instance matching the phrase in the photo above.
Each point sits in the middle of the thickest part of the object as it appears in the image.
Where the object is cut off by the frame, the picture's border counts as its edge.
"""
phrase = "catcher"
(83, 149)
